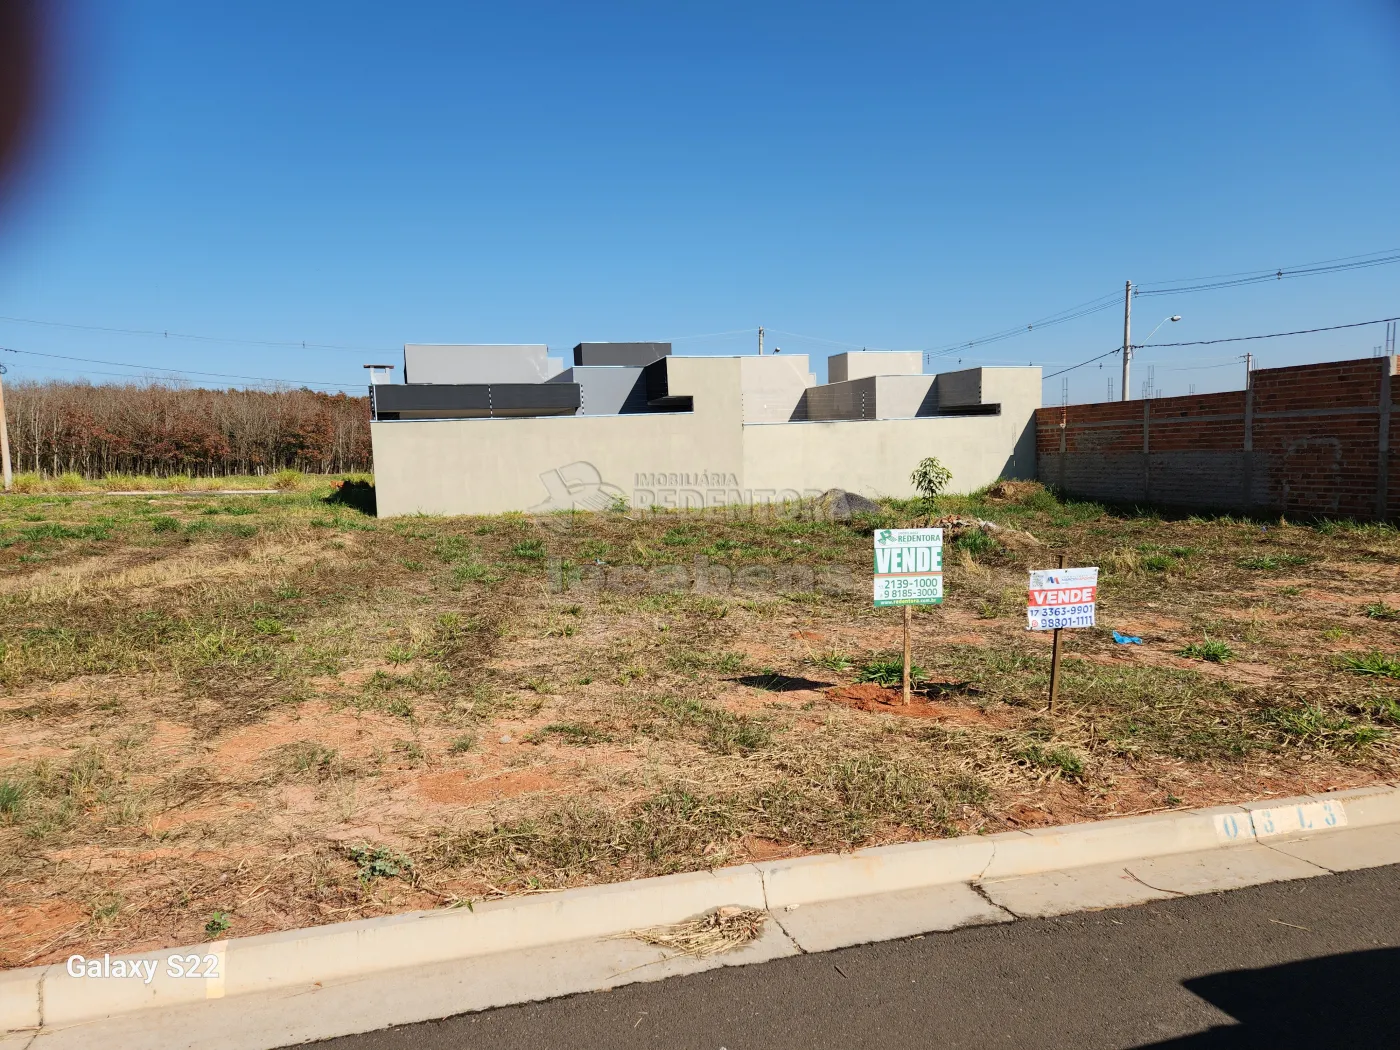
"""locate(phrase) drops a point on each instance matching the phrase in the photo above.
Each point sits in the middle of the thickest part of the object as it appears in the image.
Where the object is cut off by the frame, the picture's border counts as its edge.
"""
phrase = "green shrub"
(287, 480)
(69, 482)
(378, 862)
(930, 477)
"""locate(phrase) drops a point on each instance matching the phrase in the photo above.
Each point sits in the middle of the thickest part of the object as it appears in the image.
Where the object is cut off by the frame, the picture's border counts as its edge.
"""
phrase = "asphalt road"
(1310, 964)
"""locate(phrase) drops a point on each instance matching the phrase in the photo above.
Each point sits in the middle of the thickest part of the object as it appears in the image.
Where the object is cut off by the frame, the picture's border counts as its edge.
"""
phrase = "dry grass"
(221, 706)
(722, 930)
(29, 483)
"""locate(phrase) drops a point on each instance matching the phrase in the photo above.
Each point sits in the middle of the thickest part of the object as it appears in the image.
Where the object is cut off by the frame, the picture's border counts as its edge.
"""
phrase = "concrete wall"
(961, 389)
(606, 390)
(1311, 439)
(876, 456)
(627, 355)
(857, 364)
(874, 397)
(850, 399)
(477, 363)
(773, 386)
(708, 457)
(904, 397)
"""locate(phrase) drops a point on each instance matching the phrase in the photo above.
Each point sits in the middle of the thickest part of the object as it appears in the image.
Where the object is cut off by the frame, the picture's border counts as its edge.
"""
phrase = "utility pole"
(760, 340)
(1248, 370)
(1127, 334)
(5, 437)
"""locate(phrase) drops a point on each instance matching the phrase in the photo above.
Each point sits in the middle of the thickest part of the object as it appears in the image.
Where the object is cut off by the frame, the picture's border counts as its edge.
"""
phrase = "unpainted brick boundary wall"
(1305, 440)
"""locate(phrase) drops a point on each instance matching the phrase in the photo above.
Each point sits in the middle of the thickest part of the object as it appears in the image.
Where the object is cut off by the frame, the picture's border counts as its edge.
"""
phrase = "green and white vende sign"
(908, 566)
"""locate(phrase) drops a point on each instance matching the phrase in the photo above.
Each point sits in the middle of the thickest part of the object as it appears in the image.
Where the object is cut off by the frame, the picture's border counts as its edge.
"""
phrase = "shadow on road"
(1339, 1000)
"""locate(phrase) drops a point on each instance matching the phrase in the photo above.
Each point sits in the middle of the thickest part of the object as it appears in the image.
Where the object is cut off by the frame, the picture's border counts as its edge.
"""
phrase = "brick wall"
(1311, 439)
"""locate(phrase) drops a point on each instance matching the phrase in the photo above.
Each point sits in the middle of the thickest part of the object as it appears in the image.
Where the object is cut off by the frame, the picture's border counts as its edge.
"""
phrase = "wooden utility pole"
(1055, 659)
(5, 437)
(1127, 334)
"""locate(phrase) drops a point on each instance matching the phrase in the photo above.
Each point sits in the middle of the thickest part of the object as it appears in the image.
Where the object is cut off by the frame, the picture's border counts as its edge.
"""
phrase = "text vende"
(1065, 596)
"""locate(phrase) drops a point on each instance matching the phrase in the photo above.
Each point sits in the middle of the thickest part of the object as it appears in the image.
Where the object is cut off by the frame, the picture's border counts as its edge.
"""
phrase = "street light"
(1173, 317)
(1127, 334)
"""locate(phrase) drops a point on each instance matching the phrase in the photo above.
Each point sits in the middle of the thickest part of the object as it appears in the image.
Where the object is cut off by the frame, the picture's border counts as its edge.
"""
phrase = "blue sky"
(900, 176)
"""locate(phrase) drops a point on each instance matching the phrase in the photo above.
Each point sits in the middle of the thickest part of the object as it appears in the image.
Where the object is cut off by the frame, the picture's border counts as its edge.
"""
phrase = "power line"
(1090, 361)
(828, 342)
(1182, 285)
(115, 375)
(172, 371)
(1245, 273)
(1231, 339)
(1071, 313)
(295, 344)
(1270, 335)
(710, 335)
(1279, 274)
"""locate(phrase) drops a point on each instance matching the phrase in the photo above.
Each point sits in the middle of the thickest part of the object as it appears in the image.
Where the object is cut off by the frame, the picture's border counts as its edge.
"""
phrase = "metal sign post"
(908, 572)
(1058, 599)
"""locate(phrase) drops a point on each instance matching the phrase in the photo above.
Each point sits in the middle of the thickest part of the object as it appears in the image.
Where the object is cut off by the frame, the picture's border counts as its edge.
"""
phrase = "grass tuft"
(889, 671)
(1210, 649)
(1375, 664)
(1273, 562)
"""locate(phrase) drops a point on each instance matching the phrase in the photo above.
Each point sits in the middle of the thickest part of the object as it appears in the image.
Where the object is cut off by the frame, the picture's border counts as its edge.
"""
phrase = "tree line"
(161, 429)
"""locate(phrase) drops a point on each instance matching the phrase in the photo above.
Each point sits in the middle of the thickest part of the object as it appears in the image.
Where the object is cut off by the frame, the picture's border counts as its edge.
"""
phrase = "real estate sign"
(908, 566)
(1062, 598)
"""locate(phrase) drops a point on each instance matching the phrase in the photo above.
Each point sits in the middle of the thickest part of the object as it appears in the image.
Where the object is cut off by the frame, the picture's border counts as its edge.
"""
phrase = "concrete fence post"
(1146, 450)
(1247, 470)
(1383, 442)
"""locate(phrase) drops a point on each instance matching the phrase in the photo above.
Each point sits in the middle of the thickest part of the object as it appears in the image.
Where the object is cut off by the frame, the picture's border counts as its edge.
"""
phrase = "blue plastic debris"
(1126, 639)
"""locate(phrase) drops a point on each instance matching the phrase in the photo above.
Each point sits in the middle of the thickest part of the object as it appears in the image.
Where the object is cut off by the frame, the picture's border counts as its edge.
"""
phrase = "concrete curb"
(40, 1000)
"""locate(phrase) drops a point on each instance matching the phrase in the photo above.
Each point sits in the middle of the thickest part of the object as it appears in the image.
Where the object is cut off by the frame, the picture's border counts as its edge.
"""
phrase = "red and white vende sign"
(1062, 598)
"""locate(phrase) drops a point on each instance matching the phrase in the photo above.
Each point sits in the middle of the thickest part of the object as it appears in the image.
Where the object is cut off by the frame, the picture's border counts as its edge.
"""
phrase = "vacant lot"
(225, 715)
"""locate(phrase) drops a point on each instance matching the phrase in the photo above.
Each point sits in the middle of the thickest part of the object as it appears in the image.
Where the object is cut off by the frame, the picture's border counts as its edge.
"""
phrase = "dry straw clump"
(722, 930)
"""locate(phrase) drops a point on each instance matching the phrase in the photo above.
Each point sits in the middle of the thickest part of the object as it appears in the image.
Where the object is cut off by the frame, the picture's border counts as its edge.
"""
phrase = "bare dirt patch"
(878, 699)
(458, 789)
